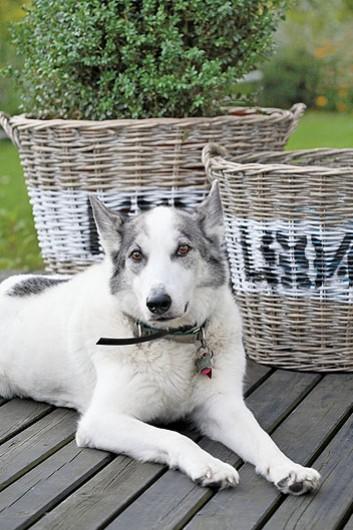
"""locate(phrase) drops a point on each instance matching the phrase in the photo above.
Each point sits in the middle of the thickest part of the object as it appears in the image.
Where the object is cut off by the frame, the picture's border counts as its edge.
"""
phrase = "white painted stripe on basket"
(293, 258)
(289, 258)
(64, 222)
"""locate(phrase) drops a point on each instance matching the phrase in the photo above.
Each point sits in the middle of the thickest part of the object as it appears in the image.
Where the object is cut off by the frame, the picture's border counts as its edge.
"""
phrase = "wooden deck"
(46, 482)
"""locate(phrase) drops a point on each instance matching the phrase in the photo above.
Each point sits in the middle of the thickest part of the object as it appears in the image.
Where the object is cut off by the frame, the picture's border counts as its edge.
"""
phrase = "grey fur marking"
(34, 285)
(210, 248)
(130, 229)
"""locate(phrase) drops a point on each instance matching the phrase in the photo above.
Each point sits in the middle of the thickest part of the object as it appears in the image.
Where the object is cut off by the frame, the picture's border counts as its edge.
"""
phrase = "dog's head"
(168, 264)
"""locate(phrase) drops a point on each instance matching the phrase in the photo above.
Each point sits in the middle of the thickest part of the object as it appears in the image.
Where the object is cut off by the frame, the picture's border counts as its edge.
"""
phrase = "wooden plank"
(37, 442)
(301, 436)
(166, 503)
(327, 507)
(255, 376)
(110, 489)
(114, 487)
(24, 501)
(17, 414)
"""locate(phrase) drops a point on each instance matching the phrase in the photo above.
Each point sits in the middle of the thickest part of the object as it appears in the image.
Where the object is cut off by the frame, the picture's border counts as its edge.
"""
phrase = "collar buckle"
(138, 329)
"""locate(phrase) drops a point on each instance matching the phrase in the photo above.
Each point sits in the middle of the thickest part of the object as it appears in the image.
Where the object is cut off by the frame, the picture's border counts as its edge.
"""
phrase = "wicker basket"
(129, 164)
(289, 222)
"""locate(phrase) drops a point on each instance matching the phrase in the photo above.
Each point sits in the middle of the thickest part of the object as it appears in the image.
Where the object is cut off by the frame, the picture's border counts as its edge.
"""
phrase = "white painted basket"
(129, 164)
(289, 233)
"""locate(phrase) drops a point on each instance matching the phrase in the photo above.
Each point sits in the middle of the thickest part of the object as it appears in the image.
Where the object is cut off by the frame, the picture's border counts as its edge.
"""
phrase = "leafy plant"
(103, 59)
(292, 75)
(314, 62)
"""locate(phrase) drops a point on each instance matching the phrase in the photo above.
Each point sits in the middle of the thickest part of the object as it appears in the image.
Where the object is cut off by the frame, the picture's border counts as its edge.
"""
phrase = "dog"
(164, 281)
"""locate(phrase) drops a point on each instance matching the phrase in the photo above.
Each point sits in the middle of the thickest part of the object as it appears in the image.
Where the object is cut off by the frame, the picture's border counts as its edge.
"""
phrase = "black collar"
(145, 333)
(194, 334)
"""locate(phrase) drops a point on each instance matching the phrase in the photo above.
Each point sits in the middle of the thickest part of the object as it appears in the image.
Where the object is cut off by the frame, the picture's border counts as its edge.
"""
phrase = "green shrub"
(321, 79)
(335, 90)
(314, 61)
(10, 11)
(292, 75)
(102, 59)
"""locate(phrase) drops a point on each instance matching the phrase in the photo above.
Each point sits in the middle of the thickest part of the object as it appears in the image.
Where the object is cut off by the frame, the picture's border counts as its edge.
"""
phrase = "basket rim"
(245, 114)
(214, 158)
(334, 151)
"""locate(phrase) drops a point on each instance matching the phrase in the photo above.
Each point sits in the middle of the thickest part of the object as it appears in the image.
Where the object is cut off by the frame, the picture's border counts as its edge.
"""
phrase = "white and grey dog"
(166, 270)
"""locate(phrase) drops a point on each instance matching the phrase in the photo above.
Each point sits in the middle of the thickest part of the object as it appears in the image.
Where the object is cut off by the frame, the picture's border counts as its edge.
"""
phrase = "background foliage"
(314, 62)
(107, 59)
(10, 11)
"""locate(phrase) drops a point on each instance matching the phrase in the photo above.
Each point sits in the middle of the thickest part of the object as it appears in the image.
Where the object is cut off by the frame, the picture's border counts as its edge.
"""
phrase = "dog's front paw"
(295, 479)
(217, 475)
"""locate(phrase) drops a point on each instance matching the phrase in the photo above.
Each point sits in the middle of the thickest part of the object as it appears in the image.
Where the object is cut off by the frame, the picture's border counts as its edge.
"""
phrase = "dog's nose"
(159, 303)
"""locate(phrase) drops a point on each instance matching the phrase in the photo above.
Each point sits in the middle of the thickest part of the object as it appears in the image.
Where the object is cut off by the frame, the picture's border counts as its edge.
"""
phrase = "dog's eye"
(183, 249)
(136, 255)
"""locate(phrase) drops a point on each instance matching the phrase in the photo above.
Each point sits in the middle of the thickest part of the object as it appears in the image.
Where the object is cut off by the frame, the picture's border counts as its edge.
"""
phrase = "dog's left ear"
(210, 213)
(109, 225)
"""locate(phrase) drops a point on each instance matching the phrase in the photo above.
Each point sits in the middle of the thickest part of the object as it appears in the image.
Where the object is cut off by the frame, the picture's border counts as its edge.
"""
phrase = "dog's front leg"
(226, 418)
(120, 433)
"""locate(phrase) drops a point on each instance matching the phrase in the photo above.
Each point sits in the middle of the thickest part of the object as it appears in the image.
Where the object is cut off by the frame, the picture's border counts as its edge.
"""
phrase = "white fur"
(49, 353)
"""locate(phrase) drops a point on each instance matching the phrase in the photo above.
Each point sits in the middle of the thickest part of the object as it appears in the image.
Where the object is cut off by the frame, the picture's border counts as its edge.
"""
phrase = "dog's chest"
(166, 377)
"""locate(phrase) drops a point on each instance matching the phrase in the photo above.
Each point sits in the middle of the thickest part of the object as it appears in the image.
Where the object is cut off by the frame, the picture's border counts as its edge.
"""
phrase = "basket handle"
(8, 128)
(297, 111)
(210, 151)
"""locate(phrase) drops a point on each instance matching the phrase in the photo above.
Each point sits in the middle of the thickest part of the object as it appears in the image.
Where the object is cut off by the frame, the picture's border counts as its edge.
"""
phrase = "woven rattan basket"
(129, 164)
(289, 223)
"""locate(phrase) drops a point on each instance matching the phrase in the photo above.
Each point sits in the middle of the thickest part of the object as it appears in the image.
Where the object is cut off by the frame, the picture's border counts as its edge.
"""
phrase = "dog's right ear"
(109, 225)
(210, 213)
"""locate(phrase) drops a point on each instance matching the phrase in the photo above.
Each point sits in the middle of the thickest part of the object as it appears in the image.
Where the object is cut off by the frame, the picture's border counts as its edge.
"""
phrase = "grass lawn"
(18, 244)
(323, 129)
